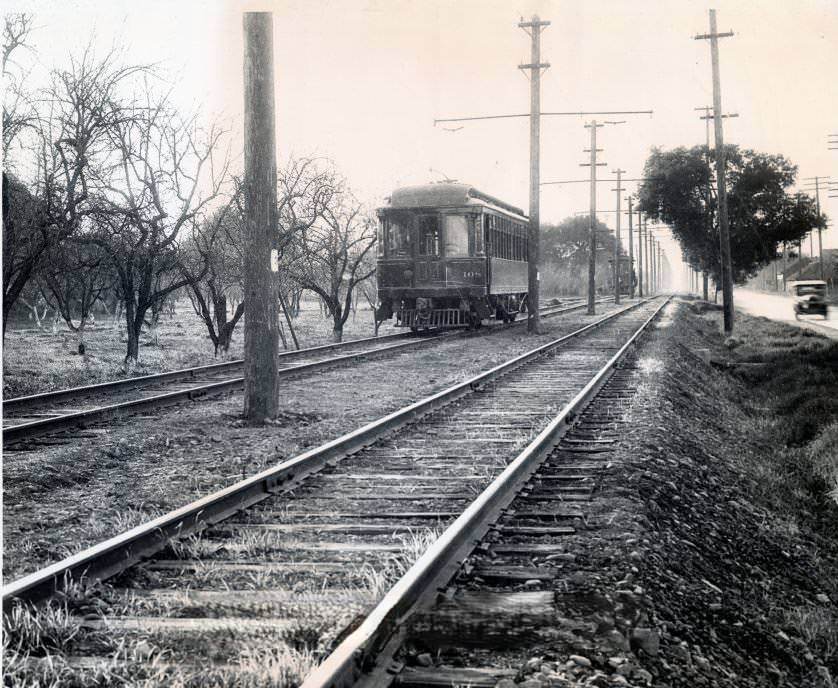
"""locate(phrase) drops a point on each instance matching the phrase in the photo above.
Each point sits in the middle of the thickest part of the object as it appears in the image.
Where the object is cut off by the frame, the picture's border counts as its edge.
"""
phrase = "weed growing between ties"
(40, 644)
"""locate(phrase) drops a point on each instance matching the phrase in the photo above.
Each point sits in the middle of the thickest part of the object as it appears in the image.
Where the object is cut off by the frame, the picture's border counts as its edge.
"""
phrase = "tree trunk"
(80, 340)
(133, 324)
(288, 320)
(337, 333)
(704, 286)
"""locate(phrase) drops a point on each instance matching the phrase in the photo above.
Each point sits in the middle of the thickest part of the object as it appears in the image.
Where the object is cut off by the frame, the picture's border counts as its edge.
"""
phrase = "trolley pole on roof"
(534, 28)
(261, 323)
(619, 191)
(724, 232)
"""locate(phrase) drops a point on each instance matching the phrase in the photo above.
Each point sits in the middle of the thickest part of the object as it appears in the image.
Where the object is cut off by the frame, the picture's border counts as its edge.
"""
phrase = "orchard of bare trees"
(116, 201)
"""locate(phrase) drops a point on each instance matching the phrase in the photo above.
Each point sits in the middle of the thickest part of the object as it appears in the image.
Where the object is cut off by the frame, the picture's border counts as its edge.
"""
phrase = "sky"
(361, 82)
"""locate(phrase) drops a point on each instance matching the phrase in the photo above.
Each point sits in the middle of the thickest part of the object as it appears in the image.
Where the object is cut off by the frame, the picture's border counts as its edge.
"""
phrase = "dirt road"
(779, 307)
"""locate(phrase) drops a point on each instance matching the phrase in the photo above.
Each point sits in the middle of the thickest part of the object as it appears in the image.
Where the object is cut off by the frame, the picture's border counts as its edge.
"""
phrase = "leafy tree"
(564, 256)
(678, 190)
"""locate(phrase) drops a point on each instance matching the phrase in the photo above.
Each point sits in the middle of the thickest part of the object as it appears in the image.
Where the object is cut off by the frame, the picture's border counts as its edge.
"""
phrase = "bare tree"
(73, 279)
(70, 141)
(330, 257)
(214, 250)
(18, 110)
(162, 181)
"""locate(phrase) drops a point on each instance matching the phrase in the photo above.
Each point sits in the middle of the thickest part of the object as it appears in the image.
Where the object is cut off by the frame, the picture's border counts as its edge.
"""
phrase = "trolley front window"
(398, 236)
(429, 235)
(456, 235)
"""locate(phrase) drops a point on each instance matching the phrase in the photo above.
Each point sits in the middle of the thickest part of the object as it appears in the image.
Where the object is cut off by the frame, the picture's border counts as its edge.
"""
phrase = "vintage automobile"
(450, 256)
(809, 298)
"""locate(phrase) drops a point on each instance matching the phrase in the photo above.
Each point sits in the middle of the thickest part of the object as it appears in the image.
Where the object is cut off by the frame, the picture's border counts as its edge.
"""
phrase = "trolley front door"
(429, 272)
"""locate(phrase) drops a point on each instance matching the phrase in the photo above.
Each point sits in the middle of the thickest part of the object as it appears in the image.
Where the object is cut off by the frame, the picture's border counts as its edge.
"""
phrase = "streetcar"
(450, 256)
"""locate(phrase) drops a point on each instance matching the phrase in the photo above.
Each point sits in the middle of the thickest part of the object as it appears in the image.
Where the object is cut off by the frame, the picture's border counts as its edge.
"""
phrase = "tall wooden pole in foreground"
(721, 191)
(261, 321)
(534, 28)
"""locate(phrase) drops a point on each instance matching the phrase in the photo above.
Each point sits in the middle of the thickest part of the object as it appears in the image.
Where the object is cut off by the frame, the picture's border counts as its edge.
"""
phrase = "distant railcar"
(450, 256)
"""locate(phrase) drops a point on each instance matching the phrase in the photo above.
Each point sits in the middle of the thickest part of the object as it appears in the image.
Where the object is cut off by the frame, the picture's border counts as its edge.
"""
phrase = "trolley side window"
(456, 235)
(429, 235)
(398, 236)
(382, 236)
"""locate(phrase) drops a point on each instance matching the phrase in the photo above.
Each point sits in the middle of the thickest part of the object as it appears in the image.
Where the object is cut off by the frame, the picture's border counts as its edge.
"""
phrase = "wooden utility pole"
(660, 268)
(721, 190)
(593, 126)
(707, 117)
(534, 28)
(817, 180)
(630, 198)
(261, 320)
(640, 252)
(619, 191)
(650, 283)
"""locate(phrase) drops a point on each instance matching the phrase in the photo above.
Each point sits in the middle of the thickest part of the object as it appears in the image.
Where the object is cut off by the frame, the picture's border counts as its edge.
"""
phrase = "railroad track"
(301, 550)
(491, 585)
(30, 417)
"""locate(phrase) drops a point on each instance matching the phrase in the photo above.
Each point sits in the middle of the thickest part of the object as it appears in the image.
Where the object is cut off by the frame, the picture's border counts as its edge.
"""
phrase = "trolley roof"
(446, 194)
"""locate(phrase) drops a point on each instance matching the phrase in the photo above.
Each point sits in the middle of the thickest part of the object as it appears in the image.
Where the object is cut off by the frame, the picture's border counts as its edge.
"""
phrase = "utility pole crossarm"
(710, 36)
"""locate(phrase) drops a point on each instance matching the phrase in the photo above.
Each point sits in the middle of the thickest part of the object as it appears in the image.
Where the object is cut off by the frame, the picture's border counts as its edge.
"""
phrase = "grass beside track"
(790, 396)
(41, 361)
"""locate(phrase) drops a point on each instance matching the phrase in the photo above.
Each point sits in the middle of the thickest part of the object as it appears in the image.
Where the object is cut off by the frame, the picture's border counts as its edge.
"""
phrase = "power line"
(599, 181)
(581, 113)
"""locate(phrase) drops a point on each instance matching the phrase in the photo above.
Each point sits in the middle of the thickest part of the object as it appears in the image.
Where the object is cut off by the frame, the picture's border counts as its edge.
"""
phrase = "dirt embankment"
(729, 467)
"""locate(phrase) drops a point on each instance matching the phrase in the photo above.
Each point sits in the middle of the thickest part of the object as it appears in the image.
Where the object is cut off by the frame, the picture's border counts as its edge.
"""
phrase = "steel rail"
(118, 553)
(182, 373)
(21, 431)
(16, 403)
(16, 433)
(357, 656)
